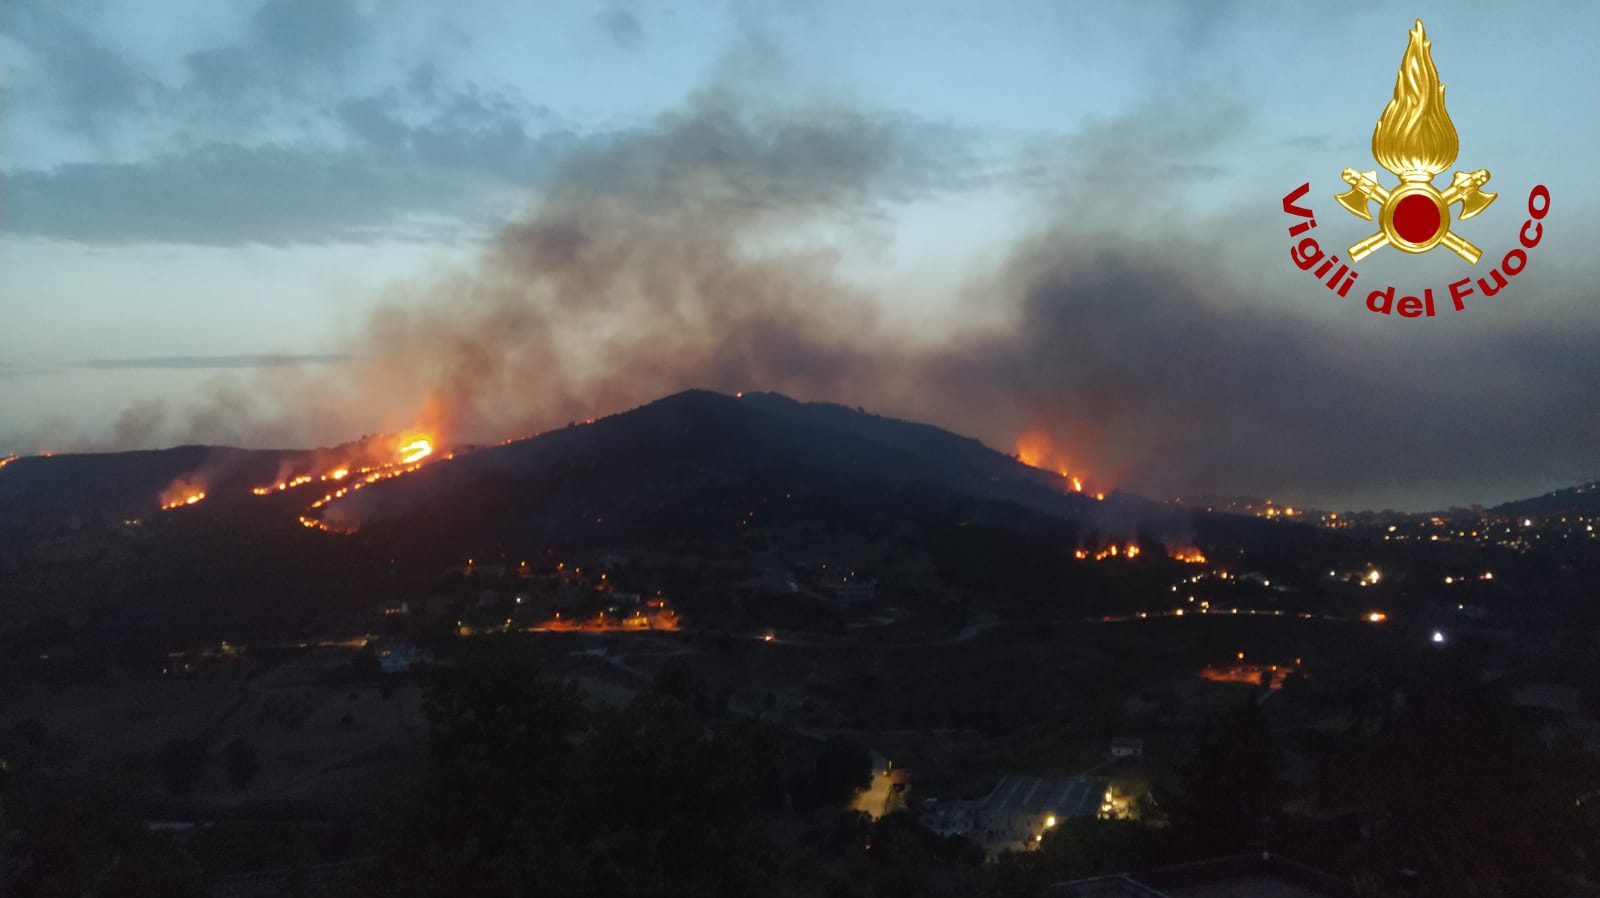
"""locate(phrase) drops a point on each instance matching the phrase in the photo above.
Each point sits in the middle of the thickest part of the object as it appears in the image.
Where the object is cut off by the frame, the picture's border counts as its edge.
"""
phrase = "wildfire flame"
(1189, 555)
(360, 462)
(181, 492)
(411, 457)
(1129, 551)
(1415, 138)
(7, 460)
(416, 450)
(1037, 449)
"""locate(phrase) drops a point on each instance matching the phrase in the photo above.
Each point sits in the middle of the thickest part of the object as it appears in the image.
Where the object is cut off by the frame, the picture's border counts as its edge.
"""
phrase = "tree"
(1231, 788)
(1456, 784)
(842, 767)
(68, 841)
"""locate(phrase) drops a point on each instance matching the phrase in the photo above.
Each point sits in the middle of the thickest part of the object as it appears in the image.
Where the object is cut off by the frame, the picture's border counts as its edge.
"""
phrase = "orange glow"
(181, 500)
(1246, 674)
(416, 450)
(1188, 555)
(7, 460)
(189, 489)
(1376, 617)
(1036, 449)
(655, 619)
(361, 460)
(367, 463)
(1130, 551)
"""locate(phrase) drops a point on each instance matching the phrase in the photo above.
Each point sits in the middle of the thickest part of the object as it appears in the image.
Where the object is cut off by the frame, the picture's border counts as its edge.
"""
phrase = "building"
(400, 657)
(1016, 813)
(954, 818)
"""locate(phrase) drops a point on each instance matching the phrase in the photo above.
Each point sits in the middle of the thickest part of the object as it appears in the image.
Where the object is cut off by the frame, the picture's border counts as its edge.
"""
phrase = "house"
(954, 818)
(401, 657)
(1017, 812)
(1127, 747)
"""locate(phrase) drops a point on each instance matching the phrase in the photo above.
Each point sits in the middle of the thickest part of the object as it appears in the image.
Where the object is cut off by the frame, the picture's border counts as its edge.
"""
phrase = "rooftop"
(1075, 797)
(1262, 875)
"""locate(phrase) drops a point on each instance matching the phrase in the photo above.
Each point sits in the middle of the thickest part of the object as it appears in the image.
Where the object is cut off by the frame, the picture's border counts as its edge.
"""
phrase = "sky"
(295, 222)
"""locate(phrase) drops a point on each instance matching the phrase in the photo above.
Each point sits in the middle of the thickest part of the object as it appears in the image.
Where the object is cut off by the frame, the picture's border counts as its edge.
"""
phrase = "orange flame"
(1129, 551)
(416, 450)
(1188, 555)
(1036, 449)
(1247, 674)
(411, 455)
(183, 491)
(362, 462)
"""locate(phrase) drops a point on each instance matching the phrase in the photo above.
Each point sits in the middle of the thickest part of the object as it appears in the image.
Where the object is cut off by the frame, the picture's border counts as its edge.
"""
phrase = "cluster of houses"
(1016, 814)
(501, 595)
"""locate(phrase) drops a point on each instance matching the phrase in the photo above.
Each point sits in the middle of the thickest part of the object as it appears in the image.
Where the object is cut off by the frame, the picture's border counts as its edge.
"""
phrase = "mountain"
(1575, 501)
(53, 489)
(700, 457)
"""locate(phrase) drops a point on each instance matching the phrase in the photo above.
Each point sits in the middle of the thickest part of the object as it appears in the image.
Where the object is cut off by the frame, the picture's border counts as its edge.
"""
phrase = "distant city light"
(1438, 637)
(1376, 617)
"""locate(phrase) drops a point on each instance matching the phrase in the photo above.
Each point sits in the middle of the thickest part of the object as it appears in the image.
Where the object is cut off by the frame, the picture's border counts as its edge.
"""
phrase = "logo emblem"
(1415, 140)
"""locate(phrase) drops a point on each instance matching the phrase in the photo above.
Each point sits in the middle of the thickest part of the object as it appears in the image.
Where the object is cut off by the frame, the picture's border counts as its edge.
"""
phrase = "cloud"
(84, 85)
(192, 362)
(622, 26)
(284, 45)
(226, 194)
(433, 174)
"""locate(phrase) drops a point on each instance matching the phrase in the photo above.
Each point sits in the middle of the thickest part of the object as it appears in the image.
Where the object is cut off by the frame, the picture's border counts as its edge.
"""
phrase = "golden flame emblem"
(1415, 140)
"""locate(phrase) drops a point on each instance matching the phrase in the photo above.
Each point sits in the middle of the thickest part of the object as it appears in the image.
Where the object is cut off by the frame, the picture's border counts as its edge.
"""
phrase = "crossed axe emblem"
(1415, 217)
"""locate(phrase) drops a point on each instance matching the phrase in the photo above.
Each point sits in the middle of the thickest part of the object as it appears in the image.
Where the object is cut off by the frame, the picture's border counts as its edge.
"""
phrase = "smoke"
(665, 262)
(139, 423)
(705, 252)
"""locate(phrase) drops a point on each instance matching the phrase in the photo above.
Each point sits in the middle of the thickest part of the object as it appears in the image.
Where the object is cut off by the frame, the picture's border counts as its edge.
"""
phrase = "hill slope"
(687, 454)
